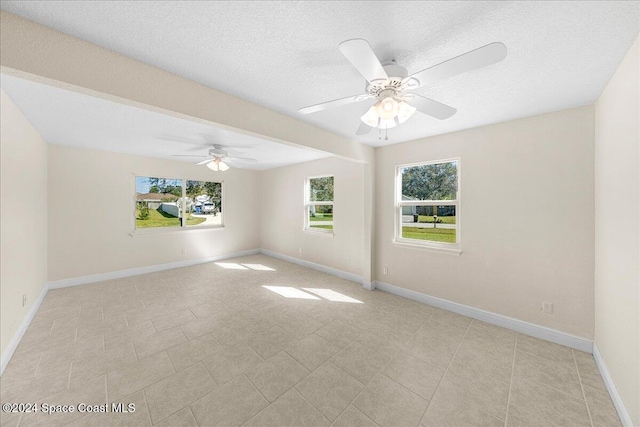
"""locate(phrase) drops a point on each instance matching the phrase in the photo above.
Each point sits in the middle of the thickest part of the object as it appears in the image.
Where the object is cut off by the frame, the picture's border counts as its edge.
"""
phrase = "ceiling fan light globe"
(222, 166)
(213, 165)
(388, 108)
(370, 118)
(387, 124)
(405, 111)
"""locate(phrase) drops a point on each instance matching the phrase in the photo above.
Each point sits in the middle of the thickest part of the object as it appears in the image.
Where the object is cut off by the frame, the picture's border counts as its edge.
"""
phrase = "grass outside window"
(431, 234)
(158, 218)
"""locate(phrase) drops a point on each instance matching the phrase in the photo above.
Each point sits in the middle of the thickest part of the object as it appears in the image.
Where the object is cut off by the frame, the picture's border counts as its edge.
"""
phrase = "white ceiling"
(283, 55)
(69, 118)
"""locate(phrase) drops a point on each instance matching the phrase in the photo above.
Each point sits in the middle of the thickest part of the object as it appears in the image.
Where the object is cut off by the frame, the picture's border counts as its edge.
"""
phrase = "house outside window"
(177, 203)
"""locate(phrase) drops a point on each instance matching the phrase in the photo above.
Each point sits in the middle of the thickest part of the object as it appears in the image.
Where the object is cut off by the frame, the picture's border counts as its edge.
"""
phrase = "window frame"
(308, 203)
(454, 248)
(182, 228)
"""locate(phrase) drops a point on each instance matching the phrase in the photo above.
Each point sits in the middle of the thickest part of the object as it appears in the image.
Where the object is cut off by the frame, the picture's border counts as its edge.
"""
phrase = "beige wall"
(617, 236)
(91, 210)
(282, 215)
(526, 218)
(23, 217)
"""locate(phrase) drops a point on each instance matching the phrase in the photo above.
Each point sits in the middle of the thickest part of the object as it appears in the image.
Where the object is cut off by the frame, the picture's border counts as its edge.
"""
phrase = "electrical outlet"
(300, 251)
(24, 300)
(385, 270)
(547, 307)
(183, 251)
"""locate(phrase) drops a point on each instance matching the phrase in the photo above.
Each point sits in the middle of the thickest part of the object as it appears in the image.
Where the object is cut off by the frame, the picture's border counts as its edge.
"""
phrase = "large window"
(170, 202)
(427, 203)
(319, 204)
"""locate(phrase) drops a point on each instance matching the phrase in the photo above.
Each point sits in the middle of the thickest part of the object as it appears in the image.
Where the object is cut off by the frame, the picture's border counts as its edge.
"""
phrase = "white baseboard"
(13, 344)
(83, 280)
(314, 266)
(527, 328)
(611, 387)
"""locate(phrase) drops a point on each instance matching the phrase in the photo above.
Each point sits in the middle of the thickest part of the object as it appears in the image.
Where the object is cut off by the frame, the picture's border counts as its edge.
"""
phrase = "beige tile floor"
(261, 342)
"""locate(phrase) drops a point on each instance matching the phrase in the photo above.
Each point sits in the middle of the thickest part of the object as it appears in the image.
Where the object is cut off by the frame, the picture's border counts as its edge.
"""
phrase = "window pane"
(430, 182)
(158, 202)
(432, 223)
(321, 189)
(204, 203)
(321, 217)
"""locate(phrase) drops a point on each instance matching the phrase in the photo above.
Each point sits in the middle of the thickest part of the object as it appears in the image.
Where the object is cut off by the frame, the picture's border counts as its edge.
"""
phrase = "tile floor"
(257, 341)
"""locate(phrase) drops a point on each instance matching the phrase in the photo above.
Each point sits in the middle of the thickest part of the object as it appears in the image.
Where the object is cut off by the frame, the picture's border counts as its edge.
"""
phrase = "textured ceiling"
(283, 55)
(69, 118)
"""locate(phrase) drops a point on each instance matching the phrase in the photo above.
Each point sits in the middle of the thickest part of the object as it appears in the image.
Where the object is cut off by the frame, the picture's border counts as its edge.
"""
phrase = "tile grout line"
(263, 396)
(584, 396)
(447, 370)
(306, 400)
(38, 365)
(391, 359)
(180, 409)
(573, 396)
(311, 372)
(381, 370)
(192, 414)
(205, 368)
(106, 389)
(146, 401)
(513, 366)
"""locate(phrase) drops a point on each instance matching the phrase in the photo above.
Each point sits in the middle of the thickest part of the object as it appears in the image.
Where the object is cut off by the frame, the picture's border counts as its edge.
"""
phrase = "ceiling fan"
(218, 159)
(390, 84)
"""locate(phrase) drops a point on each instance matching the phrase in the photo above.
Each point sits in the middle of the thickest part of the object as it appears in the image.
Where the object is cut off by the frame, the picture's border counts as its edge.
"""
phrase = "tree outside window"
(319, 204)
(427, 201)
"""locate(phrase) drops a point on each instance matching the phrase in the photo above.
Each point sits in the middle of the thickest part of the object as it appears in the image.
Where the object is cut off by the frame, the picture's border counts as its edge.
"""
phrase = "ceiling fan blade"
(432, 108)
(478, 58)
(242, 159)
(363, 129)
(334, 103)
(361, 56)
(187, 155)
(204, 162)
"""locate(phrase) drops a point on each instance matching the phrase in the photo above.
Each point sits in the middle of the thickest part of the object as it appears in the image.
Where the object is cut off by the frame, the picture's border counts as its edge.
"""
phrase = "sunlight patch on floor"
(332, 295)
(259, 267)
(289, 292)
(231, 266)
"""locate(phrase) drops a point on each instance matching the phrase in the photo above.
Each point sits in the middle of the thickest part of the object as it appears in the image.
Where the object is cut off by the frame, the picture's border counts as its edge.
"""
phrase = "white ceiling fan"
(218, 159)
(390, 84)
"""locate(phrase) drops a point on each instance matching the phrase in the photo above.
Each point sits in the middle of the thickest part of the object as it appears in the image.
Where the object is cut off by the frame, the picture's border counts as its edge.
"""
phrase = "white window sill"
(320, 232)
(453, 250)
(173, 230)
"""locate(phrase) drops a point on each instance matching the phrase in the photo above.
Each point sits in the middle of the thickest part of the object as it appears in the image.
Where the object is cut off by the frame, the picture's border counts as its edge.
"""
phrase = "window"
(319, 204)
(204, 203)
(427, 202)
(158, 202)
(170, 202)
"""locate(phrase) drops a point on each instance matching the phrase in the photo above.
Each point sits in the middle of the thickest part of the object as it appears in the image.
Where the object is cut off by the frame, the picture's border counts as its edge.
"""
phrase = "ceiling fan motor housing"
(217, 151)
(384, 88)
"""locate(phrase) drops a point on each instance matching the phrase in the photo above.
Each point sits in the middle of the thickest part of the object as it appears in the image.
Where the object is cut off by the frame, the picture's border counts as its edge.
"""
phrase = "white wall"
(34, 51)
(527, 220)
(23, 217)
(617, 225)
(91, 213)
(282, 214)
